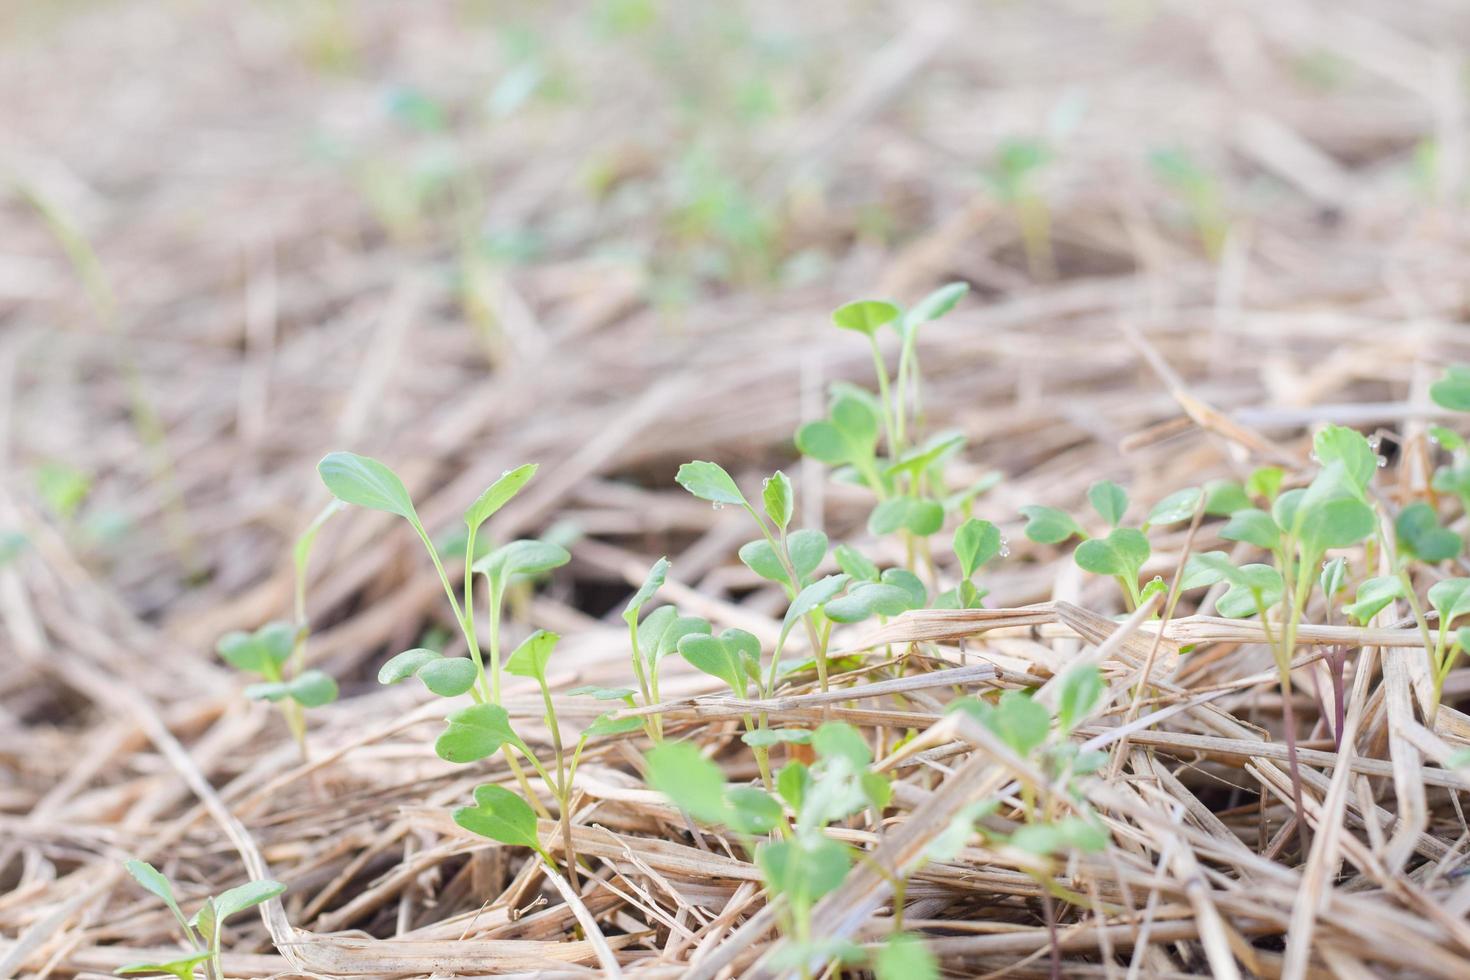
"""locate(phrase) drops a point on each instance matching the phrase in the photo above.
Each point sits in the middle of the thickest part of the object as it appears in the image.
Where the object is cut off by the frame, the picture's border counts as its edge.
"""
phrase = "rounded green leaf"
(498, 494)
(449, 677)
(1019, 722)
(1082, 688)
(522, 557)
(402, 666)
(1122, 552)
(750, 810)
(905, 957)
(364, 481)
(1253, 527)
(810, 598)
(807, 548)
(855, 563)
(764, 738)
(822, 441)
(1048, 525)
(869, 599)
(1265, 482)
(709, 481)
(1373, 595)
(839, 740)
(242, 651)
(1178, 506)
(1224, 497)
(913, 514)
(867, 317)
(716, 656)
(1109, 500)
(277, 639)
(475, 733)
(1453, 390)
(500, 815)
(1420, 535)
(312, 689)
(1253, 587)
(805, 867)
(1451, 599)
(695, 784)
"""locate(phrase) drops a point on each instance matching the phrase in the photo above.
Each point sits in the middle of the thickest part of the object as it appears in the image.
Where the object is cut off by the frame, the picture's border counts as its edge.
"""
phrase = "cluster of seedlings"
(1326, 532)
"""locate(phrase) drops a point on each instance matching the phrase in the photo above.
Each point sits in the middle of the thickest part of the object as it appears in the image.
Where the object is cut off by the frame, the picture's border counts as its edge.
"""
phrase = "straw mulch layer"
(289, 260)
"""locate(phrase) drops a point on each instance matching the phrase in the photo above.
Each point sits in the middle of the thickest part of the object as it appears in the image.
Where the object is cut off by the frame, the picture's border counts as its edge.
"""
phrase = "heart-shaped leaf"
(867, 317)
(500, 815)
(1451, 599)
(1420, 535)
(1332, 512)
(1048, 525)
(760, 557)
(807, 548)
(727, 656)
(1121, 553)
(849, 434)
(1019, 722)
(750, 810)
(498, 494)
(530, 658)
(709, 481)
(364, 481)
(1109, 500)
(805, 867)
(1374, 594)
(312, 689)
(777, 499)
(476, 733)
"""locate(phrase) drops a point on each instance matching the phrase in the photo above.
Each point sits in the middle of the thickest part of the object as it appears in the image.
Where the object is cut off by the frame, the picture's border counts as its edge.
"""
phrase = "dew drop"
(1382, 462)
(717, 505)
(1374, 442)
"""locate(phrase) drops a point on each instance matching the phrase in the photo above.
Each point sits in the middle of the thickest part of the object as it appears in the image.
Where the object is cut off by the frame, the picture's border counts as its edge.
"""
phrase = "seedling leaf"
(402, 666)
(476, 733)
(498, 494)
(1178, 506)
(975, 543)
(449, 677)
(1109, 500)
(867, 317)
(1453, 390)
(651, 584)
(530, 658)
(709, 481)
(777, 499)
(365, 482)
(1420, 535)
(500, 815)
(695, 784)
(245, 896)
(1048, 525)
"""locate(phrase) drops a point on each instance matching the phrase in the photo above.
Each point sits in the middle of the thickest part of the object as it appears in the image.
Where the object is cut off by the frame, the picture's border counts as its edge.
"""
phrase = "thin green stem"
(883, 396)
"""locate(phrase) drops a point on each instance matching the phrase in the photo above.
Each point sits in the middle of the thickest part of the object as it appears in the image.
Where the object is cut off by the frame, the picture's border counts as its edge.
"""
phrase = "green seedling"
(1201, 195)
(482, 729)
(1014, 176)
(201, 930)
(267, 653)
(1302, 526)
(800, 863)
(914, 496)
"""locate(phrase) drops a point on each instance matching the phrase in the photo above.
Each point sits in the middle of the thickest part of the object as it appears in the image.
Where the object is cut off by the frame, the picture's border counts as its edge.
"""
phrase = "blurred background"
(462, 234)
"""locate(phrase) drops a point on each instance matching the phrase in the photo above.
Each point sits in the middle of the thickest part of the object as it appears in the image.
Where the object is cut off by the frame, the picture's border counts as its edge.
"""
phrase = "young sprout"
(1013, 176)
(1201, 194)
(202, 929)
(267, 653)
